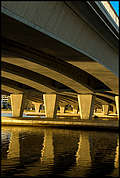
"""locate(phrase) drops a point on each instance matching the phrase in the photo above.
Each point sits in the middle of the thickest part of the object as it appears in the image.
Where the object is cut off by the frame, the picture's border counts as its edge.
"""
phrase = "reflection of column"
(47, 153)
(116, 162)
(83, 157)
(14, 146)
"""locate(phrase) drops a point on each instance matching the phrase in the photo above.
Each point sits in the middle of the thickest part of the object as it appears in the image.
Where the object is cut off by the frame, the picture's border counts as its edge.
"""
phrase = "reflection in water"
(28, 151)
(65, 147)
(102, 150)
(116, 165)
(14, 146)
(83, 153)
(83, 158)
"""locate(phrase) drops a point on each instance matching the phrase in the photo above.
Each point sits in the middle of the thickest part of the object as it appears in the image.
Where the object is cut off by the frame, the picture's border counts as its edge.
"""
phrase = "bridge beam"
(86, 105)
(50, 102)
(17, 103)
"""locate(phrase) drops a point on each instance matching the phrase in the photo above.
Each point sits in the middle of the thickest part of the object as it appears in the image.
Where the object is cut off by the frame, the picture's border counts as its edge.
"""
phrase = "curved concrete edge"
(61, 123)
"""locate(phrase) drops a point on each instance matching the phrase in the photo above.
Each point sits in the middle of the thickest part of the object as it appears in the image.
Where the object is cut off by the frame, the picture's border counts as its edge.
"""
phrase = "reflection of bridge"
(45, 150)
(59, 53)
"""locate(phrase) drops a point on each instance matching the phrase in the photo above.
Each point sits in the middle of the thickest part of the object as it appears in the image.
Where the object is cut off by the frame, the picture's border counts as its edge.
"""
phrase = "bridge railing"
(111, 11)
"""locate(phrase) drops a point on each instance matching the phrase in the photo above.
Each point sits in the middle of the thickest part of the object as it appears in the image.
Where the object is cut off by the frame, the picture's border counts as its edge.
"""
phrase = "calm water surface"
(28, 151)
(10, 115)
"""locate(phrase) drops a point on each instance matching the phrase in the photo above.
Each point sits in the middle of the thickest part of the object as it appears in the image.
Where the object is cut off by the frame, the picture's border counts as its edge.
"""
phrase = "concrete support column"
(37, 107)
(105, 109)
(75, 109)
(50, 102)
(86, 105)
(17, 103)
(117, 104)
(62, 109)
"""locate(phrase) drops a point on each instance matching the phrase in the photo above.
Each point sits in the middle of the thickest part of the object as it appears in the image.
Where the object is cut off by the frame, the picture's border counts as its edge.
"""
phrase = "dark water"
(28, 151)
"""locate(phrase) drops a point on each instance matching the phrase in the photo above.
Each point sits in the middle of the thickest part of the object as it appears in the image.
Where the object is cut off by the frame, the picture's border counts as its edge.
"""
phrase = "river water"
(44, 151)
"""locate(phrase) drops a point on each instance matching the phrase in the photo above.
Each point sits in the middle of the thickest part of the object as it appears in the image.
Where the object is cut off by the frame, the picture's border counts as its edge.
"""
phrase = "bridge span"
(59, 53)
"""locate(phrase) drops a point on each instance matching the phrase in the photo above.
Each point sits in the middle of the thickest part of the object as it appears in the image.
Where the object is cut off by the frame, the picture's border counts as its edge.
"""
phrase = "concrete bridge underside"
(50, 50)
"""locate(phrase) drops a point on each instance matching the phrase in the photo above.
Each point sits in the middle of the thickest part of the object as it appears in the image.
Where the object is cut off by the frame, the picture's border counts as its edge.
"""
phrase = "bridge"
(59, 53)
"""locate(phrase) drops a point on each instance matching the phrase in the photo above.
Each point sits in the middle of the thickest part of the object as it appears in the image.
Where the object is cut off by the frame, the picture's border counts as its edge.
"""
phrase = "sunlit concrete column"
(86, 105)
(62, 109)
(47, 153)
(37, 107)
(17, 103)
(105, 109)
(117, 104)
(14, 145)
(50, 102)
(75, 109)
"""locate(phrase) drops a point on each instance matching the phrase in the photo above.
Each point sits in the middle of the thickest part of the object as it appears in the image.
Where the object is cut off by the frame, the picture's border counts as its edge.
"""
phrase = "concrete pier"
(117, 104)
(105, 109)
(50, 102)
(62, 109)
(17, 103)
(86, 105)
(37, 107)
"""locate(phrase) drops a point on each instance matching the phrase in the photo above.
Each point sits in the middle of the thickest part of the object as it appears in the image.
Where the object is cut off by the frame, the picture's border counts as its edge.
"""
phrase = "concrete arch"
(36, 77)
(78, 77)
(9, 90)
(29, 82)
(37, 87)
(12, 86)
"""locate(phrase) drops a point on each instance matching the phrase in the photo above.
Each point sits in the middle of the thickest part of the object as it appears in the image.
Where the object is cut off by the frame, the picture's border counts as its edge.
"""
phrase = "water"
(10, 115)
(40, 151)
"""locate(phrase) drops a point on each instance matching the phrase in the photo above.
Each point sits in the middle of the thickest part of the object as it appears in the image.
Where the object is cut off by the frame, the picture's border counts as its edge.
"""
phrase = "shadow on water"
(45, 152)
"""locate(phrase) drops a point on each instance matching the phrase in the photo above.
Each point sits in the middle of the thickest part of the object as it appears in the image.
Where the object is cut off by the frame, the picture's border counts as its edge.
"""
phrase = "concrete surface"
(63, 122)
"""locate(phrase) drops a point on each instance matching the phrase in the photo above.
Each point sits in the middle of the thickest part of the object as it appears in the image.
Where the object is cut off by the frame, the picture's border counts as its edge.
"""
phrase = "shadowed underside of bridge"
(73, 59)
